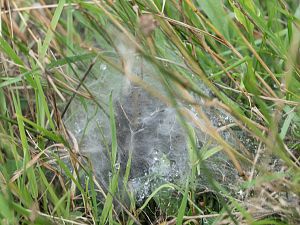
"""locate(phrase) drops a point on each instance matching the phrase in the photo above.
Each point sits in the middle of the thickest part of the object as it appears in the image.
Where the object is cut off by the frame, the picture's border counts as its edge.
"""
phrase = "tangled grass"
(246, 53)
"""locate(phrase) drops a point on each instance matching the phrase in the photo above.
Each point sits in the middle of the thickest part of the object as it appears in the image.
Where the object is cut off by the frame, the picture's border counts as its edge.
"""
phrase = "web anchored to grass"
(149, 112)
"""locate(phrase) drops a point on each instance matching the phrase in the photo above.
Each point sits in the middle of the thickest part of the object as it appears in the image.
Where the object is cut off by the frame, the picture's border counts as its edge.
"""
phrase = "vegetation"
(245, 51)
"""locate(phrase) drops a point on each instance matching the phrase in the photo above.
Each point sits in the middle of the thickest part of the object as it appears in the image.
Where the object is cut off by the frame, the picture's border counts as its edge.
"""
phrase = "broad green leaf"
(240, 15)
(214, 9)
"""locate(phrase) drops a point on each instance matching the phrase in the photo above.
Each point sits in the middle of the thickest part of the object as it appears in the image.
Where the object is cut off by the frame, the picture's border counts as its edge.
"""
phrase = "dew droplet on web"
(103, 67)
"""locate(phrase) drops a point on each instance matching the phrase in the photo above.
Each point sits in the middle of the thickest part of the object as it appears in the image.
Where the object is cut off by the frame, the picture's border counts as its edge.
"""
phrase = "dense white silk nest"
(148, 131)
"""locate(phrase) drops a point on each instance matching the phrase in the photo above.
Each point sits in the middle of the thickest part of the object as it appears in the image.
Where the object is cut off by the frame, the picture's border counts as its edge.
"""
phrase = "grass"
(245, 52)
